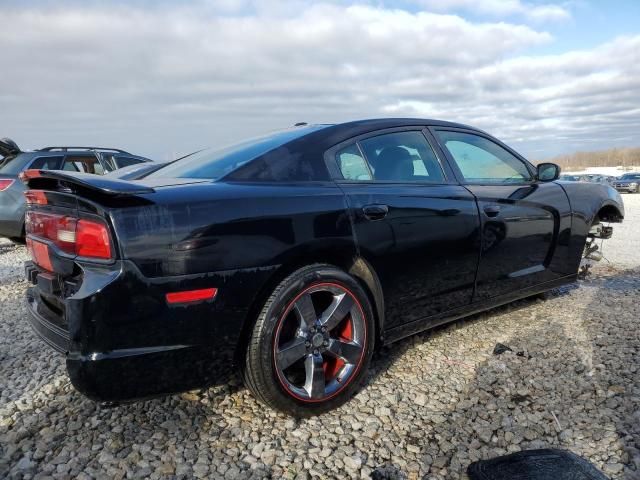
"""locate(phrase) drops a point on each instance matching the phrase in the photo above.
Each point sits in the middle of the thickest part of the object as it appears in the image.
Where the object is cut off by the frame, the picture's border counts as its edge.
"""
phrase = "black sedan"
(294, 255)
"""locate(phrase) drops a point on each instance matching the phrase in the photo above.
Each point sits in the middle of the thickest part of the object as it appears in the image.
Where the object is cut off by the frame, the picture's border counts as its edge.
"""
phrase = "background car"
(73, 159)
(629, 182)
(597, 178)
(573, 178)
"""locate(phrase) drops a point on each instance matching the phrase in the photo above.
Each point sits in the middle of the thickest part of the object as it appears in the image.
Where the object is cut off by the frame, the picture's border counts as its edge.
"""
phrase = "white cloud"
(168, 79)
(502, 8)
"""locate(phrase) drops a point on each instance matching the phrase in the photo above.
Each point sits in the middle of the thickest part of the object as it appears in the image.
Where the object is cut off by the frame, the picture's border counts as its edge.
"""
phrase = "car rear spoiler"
(85, 182)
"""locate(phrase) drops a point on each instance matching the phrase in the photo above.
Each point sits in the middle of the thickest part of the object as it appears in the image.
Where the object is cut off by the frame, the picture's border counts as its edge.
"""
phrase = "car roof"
(382, 123)
(332, 134)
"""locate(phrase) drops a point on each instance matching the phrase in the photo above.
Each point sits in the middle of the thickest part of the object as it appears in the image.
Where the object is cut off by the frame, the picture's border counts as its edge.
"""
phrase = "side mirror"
(548, 172)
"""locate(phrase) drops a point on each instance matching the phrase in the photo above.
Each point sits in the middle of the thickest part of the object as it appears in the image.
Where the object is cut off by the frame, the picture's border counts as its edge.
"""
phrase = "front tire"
(311, 345)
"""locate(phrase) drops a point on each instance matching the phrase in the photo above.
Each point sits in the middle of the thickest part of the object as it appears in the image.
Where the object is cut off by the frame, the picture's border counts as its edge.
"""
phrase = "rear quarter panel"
(209, 227)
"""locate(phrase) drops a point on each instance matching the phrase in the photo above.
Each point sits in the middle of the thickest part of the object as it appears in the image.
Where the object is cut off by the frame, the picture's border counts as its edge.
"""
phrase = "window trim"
(336, 175)
(458, 173)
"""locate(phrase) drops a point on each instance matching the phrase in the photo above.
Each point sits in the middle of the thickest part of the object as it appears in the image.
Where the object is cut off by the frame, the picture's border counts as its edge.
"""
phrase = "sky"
(164, 78)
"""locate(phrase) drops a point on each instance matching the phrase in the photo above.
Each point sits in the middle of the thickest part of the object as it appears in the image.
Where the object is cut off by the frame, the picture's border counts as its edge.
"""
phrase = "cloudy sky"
(162, 78)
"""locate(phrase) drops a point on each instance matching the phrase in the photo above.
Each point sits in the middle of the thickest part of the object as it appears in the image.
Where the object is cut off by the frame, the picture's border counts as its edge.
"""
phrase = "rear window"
(12, 165)
(214, 163)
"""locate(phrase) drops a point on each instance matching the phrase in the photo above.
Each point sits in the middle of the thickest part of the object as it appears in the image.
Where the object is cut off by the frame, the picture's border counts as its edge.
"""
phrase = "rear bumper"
(52, 334)
(123, 342)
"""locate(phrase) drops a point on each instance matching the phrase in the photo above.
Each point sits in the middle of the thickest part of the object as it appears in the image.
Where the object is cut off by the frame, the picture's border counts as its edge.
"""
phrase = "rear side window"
(402, 157)
(11, 165)
(46, 163)
(84, 164)
(482, 161)
(352, 164)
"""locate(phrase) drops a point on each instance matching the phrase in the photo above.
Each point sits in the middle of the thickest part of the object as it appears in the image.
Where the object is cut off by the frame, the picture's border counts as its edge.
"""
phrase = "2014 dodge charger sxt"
(294, 255)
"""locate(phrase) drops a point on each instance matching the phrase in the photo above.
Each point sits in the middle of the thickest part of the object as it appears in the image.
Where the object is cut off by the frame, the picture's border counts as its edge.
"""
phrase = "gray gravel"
(12, 258)
(433, 403)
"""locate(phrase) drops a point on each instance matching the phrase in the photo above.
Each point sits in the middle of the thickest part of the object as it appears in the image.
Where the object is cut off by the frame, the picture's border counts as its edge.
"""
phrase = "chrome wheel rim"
(319, 342)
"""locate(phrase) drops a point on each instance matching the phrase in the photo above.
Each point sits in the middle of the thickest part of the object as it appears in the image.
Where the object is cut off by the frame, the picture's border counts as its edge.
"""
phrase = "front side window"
(402, 157)
(482, 161)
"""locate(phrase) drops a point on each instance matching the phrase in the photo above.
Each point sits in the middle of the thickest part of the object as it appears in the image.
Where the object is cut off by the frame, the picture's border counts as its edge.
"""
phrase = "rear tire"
(311, 345)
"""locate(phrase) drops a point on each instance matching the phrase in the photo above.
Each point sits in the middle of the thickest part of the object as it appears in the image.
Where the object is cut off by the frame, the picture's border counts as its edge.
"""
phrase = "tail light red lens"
(80, 237)
(92, 240)
(5, 183)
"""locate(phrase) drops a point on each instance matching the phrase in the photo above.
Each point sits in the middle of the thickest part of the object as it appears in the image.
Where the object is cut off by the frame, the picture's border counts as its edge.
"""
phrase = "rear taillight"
(92, 239)
(5, 183)
(79, 237)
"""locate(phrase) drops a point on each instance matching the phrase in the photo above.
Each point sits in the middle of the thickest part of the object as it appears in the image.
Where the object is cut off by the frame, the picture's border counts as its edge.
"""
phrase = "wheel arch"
(355, 265)
(609, 212)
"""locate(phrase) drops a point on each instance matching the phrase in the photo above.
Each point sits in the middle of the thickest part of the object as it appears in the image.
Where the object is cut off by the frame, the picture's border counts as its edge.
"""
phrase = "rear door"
(413, 223)
(525, 223)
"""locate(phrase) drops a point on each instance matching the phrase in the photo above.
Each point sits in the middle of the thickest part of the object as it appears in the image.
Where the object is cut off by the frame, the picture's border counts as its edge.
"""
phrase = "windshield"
(630, 176)
(213, 163)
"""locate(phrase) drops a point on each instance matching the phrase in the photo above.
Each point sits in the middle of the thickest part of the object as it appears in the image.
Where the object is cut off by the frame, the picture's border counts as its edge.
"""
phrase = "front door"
(521, 218)
(417, 228)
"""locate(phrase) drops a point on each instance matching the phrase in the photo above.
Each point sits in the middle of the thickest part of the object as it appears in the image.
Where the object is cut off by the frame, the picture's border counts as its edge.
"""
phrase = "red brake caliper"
(333, 365)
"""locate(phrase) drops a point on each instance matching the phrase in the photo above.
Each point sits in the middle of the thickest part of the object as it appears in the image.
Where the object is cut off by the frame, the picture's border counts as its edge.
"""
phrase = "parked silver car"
(629, 182)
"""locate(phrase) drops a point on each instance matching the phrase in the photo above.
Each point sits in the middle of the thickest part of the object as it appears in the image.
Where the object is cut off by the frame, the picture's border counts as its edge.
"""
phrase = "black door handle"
(375, 212)
(492, 210)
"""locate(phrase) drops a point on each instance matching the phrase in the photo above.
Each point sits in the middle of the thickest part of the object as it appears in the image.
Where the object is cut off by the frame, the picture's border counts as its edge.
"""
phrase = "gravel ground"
(433, 403)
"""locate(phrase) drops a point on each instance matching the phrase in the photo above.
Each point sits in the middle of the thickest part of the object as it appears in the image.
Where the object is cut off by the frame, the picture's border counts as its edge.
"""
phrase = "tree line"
(613, 157)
